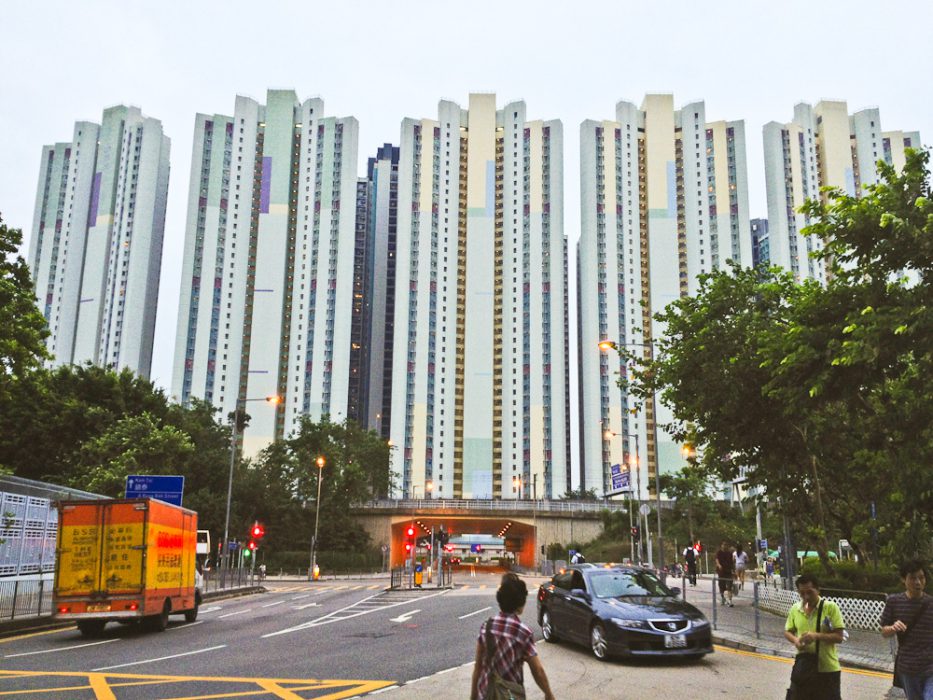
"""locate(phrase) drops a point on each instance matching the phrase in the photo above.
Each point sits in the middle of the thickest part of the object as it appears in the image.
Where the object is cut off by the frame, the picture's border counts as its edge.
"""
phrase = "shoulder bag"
(807, 665)
(900, 642)
(499, 688)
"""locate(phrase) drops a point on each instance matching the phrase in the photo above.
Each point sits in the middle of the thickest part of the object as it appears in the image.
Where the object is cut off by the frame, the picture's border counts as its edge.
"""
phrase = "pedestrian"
(814, 626)
(740, 559)
(725, 572)
(690, 559)
(262, 572)
(909, 615)
(504, 645)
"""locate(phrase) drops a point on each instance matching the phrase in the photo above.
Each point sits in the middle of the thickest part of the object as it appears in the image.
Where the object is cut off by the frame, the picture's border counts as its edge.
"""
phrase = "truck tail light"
(134, 605)
(64, 609)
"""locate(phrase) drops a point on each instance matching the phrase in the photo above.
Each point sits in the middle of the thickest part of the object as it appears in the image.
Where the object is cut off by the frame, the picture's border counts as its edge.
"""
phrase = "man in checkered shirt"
(513, 643)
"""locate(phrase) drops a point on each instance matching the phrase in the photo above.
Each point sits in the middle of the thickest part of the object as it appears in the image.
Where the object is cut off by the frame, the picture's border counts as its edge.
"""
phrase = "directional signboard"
(619, 480)
(164, 488)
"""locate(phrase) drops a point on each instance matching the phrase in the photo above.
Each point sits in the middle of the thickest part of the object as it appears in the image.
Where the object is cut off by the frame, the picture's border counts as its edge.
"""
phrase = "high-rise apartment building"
(380, 189)
(664, 198)
(760, 243)
(268, 274)
(824, 146)
(96, 246)
(480, 405)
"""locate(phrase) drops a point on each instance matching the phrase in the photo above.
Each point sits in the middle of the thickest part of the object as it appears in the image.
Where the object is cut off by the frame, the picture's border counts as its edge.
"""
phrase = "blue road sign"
(619, 479)
(165, 488)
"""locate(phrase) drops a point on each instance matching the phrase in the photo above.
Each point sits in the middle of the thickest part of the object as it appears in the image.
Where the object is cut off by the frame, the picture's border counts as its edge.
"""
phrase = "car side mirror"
(676, 590)
(580, 593)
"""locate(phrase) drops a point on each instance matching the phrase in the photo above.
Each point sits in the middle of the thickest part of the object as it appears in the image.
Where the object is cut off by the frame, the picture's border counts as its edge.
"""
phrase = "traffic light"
(252, 545)
(257, 531)
(411, 531)
(698, 546)
(407, 547)
(636, 532)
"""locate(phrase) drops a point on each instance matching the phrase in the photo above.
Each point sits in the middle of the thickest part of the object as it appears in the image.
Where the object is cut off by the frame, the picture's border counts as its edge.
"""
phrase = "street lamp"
(317, 515)
(517, 484)
(240, 406)
(633, 461)
(606, 345)
(429, 488)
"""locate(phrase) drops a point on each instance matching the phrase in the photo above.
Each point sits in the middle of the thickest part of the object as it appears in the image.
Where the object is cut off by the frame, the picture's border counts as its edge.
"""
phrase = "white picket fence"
(858, 613)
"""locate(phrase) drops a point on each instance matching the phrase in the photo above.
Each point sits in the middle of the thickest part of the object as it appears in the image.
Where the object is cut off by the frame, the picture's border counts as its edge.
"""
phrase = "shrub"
(849, 575)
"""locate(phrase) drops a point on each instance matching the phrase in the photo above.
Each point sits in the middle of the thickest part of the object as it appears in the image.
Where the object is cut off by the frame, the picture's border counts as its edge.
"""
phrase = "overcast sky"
(381, 61)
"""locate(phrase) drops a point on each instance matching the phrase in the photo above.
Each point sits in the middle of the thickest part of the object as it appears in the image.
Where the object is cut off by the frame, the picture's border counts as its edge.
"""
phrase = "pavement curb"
(741, 645)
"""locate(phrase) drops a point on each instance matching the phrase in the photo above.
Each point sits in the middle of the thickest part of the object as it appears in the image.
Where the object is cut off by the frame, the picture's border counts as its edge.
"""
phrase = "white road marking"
(477, 612)
(306, 605)
(212, 608)
(299, 597)
(335, 615)
(404, 617)
(238, 612)
(185, 626)
(269, 605)
(49, 651)
(161, 658)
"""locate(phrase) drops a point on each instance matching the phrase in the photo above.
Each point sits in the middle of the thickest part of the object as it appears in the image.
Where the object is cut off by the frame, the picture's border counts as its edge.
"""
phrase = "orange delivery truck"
(125, 560)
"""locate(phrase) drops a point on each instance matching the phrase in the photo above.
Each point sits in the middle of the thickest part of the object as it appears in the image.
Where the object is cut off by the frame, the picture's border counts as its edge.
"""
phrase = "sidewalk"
(735, 627)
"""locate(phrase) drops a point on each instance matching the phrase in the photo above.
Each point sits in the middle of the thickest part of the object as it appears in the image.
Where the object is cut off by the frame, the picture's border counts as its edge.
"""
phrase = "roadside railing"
(861, 610)
(25, 597)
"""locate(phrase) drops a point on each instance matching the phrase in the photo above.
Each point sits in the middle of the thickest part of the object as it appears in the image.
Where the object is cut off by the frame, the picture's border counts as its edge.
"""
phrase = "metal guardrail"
(25, 598)
(512, 506)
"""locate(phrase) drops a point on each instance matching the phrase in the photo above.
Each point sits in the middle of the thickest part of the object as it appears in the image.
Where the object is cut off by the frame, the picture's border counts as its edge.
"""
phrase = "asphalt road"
(335, 640)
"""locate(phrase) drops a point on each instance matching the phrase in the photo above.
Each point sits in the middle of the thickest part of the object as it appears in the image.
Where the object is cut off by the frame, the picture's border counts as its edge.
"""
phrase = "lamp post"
(605, 346)
(234, 433)
(320, 461)
(632, 461)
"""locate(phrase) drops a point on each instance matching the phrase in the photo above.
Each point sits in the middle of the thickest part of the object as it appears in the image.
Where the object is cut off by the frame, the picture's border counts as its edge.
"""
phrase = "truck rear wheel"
(158, 623)
(192, 615)
(91, 628)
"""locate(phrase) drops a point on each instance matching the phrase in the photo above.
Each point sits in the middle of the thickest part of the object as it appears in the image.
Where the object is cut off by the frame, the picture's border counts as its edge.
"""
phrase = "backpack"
(691, 556)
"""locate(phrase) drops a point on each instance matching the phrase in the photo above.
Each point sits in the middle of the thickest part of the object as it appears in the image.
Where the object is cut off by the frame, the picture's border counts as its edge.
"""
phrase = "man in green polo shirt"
(803, 630)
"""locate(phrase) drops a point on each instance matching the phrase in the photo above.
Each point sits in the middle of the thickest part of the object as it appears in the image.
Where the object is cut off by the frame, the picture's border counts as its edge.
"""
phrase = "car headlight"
(623, 622)
(699, 623)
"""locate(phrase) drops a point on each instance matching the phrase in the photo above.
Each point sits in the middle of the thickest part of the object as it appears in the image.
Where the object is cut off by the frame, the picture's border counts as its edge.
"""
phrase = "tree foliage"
(819, 395)
(22, 327)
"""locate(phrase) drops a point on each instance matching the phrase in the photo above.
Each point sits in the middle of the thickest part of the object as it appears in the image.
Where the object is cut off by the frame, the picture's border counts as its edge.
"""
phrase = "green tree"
(22, 327)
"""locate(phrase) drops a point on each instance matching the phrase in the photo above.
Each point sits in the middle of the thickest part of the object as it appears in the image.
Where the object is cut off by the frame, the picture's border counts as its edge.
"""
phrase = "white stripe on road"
(477, 612)
(269, 605)
(238, 612)
(212, 608)
(299, 597)
(161, 658)
(306, 605)
(335, 616)
(49, 651)
(185, 626)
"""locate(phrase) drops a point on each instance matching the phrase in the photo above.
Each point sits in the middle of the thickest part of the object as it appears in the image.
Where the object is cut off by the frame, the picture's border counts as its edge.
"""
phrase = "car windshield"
(620, 584)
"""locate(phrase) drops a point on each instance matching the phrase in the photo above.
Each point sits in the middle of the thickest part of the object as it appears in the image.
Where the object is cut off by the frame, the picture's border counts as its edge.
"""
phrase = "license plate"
(98, 607)
(675, 641)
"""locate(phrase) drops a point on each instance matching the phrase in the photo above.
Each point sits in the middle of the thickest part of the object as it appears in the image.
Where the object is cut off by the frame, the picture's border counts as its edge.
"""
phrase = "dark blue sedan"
(621, 611)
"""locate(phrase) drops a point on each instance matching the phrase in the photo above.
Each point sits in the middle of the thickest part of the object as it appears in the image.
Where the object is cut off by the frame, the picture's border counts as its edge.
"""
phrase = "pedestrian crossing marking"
(107, 686)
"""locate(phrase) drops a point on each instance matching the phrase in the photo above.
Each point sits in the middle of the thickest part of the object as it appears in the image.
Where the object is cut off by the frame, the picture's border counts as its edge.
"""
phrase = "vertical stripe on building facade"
(824, 146)
(273, 314)
(479, 401)
(663, 200)
(96, 246)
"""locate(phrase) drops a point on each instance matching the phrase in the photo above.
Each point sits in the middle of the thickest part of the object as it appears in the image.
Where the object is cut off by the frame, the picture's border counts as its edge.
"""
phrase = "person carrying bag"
(504, 646)
(816, 674)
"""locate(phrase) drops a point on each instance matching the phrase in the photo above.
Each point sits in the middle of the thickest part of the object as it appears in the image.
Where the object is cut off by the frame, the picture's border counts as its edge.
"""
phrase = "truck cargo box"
(125, 560)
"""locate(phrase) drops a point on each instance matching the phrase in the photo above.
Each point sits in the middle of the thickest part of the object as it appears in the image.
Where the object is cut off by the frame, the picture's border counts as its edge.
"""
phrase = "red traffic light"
(257, 531)
(252, 545)
(698, 547)
(411, 531)
(407, 547)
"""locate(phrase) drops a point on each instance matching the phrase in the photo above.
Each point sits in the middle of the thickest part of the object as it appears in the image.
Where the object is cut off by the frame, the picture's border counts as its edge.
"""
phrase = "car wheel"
(598, 642)
(547, 628)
